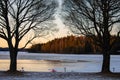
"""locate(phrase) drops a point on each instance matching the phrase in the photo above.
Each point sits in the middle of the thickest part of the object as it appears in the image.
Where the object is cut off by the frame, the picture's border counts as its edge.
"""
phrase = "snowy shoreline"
(58, 76)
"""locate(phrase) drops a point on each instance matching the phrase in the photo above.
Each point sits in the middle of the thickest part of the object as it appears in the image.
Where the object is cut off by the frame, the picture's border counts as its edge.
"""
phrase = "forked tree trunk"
(106, 62)
(13, 61)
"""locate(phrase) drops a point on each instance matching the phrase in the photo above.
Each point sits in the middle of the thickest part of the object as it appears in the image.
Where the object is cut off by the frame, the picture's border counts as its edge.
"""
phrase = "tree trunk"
(106, 62)
(13, 61)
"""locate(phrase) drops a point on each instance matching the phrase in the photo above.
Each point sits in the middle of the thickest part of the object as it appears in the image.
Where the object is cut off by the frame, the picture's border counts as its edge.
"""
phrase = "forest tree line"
(72, 45)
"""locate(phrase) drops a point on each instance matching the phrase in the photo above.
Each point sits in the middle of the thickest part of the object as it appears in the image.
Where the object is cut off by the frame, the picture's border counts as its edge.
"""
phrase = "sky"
(62, 30)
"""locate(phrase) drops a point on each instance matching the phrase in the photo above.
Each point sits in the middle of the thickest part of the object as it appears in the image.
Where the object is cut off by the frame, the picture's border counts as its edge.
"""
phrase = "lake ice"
(60, 62)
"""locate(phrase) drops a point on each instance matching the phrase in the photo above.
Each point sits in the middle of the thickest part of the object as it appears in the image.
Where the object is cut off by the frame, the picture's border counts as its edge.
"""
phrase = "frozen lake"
(59, 62)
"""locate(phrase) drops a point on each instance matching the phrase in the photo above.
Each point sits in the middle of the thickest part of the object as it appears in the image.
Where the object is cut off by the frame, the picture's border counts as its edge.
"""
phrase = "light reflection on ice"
(59, 62)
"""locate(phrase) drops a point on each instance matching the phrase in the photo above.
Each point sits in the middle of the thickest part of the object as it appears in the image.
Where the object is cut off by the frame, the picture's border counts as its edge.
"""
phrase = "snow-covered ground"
(60, 62)
(42, 63)
(58, 76)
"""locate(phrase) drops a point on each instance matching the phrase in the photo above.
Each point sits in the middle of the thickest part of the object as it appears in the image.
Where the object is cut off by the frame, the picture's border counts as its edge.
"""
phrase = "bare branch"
(93, 17)
(25, 15)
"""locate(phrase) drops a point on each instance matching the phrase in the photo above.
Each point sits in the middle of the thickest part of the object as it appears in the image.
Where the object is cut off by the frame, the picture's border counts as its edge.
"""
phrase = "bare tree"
(97, 19)
(18, 17)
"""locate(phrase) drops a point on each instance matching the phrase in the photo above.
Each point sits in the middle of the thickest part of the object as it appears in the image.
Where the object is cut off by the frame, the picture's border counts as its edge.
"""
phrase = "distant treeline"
(7, 49)
(73, 45)
(4, 49)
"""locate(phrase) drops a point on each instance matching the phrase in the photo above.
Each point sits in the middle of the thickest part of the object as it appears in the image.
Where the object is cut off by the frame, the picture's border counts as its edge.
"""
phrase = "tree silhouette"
(95, 18)
(18, 18)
